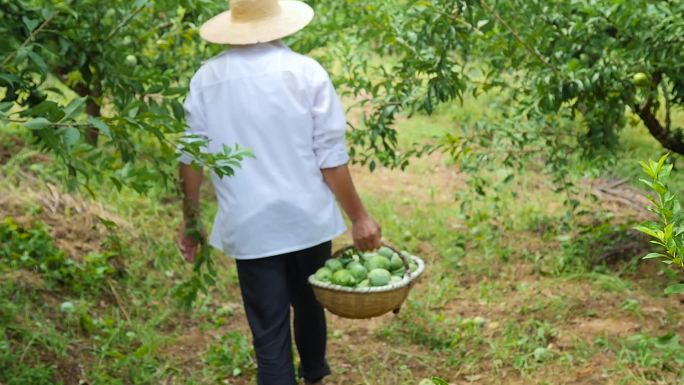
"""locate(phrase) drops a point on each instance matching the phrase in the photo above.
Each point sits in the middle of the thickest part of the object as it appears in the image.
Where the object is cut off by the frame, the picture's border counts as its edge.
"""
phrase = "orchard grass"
(515, 289)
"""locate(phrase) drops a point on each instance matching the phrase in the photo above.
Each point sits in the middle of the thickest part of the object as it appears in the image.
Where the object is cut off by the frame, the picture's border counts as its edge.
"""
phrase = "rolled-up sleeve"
(196, 128)
(329, 124)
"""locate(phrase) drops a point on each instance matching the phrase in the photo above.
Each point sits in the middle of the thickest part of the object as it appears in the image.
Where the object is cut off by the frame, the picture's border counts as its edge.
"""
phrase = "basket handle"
(404, 259)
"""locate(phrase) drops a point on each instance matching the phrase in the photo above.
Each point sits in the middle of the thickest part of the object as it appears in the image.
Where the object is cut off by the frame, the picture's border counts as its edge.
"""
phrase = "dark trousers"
(269, 287)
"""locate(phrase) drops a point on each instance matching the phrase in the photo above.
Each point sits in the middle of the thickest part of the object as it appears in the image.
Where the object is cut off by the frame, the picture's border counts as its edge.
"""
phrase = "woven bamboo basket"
(360, 303)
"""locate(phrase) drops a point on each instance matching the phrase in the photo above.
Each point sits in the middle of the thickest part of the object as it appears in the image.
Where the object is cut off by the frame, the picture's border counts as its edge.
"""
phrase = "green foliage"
(231, 356)
(204, 277)
(590, 246)
(224, 164)
(395, 56)
(33, 249)
(668, 231)
(573, 61)
(527, 343)
(656, 355)
(592, 59)
(101, 87)
(26, 248)
(13, 374)
(580, 57)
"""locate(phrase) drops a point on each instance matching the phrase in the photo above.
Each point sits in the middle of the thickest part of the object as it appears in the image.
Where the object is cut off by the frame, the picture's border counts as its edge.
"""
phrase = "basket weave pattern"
(368, 302)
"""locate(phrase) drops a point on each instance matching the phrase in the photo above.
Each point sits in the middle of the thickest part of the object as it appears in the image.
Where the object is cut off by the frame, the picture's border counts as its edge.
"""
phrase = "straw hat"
(256, 21)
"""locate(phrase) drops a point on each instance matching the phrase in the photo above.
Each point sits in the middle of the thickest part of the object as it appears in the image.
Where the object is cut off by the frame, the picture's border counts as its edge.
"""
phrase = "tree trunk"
(92, 109)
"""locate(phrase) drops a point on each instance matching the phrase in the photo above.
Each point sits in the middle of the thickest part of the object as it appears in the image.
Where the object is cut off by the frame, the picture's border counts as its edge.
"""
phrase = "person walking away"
(277, 215)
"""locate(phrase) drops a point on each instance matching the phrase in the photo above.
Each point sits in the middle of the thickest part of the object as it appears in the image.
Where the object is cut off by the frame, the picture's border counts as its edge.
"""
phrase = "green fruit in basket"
(396, 262)
(395, 279)
(413, 266)
(378, 262)
(333, 264)
(358, 272)
(385, 252)
(347, 259)
(368, 256)
(352, 264)
(343, 277)
(323, 274)
(399, 272)
(363, 284)
(379, 277)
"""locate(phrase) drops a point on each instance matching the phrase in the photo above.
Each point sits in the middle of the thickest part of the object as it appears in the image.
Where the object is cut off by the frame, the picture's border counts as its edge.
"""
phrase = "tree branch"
(125, 21)
(670, 140)
(53, 124)
(30, 38)
(92, 108)
(520, 40)
(668, 116)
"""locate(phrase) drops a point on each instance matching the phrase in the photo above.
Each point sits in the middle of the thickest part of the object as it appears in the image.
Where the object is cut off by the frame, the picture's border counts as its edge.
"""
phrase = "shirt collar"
(260, 46)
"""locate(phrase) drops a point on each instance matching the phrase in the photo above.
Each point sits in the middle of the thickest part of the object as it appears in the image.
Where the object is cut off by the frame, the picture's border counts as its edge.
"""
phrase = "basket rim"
(405, 281)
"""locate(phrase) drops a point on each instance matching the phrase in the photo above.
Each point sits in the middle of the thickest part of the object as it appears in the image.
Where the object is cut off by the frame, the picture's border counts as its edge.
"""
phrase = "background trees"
(602, 64)
(119, 74)
(100, 84)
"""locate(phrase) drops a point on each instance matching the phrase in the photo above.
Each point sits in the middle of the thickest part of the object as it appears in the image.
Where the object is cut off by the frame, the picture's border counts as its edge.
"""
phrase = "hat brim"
(221, 29)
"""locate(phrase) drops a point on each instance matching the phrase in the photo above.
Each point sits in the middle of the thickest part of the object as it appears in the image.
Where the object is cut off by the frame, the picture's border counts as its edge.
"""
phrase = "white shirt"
(282, 106)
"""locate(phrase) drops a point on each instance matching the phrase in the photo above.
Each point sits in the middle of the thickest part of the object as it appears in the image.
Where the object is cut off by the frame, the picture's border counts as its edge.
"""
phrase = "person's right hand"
(366, 234)
(189, 241)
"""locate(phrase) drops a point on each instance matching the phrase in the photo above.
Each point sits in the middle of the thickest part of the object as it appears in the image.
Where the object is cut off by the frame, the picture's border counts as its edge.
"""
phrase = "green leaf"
(37, 124)
(5, 106)
(654, 255)
(11, 79)
(659, 187)
(46, 109)
(209, 280)
(646, 182)
(658, 243)
(143, 351)
(667, 232)
(654, 166)
(30, 24)
(100, 125)
(675, 289)
(647, 231)
(661, 162)
(38, 60)
(71, 136)
(647, 169)
(72, 107)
